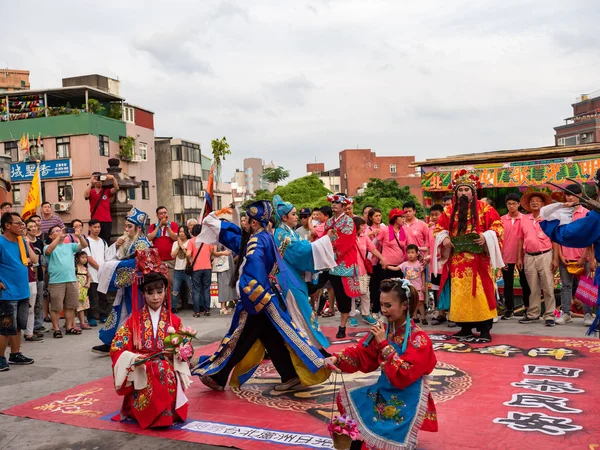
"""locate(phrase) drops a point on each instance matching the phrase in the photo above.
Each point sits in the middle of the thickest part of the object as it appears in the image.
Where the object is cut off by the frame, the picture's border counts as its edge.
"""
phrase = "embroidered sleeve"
(357, 358)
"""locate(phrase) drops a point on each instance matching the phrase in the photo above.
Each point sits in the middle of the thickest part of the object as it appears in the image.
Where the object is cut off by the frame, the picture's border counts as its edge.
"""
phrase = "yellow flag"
(33, 197)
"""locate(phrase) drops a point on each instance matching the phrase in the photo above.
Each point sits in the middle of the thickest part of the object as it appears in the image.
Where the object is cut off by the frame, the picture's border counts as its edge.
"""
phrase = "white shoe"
(564, 318)
(496, 319)
(588, 319)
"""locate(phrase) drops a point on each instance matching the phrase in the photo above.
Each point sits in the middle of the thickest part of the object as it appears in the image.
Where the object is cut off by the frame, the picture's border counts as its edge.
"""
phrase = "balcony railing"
(592, 115)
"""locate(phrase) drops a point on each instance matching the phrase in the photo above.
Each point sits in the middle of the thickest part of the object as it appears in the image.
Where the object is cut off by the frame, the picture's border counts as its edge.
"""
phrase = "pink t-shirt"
(534, 239)
(393, 253)
(417, 233)
(510, 240)
(364, 245)
(203, 260)
(573, 254)
(412, 272)
(376, 243)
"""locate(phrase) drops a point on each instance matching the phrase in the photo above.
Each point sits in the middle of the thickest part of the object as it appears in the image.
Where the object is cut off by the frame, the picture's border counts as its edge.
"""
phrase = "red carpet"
(521, 392)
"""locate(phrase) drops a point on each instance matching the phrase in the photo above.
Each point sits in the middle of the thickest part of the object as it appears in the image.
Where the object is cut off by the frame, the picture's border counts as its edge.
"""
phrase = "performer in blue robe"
(301, 256)
(261, 320)
(580, 233)
(116, 274)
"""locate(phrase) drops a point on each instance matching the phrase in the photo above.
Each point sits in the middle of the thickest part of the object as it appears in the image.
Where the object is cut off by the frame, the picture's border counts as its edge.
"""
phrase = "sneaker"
(341, 334)
(41, 329)
(3, 364)
(20, 359)
(34, 338)
(564, 318)
(527, 319)
(103, 319)
(293, 384)
(587, 319)
(550, 323)
(424, 322)
(496, 320)
(103, 350)
(92, 322)
(507, 315)
(353, 322)
(369, 320)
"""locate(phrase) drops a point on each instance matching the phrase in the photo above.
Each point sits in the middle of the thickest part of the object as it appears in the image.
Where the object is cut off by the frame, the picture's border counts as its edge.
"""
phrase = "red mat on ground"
(520, 392)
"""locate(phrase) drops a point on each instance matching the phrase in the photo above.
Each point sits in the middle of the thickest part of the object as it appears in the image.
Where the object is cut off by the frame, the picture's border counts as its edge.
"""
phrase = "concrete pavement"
(61, 364)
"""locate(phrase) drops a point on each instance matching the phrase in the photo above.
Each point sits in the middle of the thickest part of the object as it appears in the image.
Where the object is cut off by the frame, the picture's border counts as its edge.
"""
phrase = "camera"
(69, 230)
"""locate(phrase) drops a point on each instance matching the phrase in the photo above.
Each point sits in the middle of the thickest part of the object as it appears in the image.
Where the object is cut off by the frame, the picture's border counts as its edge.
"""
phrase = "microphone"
(370, 337)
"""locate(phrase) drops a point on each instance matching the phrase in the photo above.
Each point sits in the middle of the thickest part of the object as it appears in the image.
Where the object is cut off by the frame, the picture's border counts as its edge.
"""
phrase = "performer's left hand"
(331, 364)
(378, 332)
(480, 241)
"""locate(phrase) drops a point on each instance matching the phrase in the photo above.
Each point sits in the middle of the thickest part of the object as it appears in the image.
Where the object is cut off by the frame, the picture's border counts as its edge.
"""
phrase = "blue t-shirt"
(13, 273)
(61, 263)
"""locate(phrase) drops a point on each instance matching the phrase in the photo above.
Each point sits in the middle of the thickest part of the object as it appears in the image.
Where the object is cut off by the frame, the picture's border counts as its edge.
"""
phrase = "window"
(392, 168)
(143, 151)
(205, 174)
(177, 187)
(128, 114)
(16, 194)
(569, 140)
(219, 202)
(145, 190)
(179, 218)
(12, 149)
(65, 191)
(176, 153)
(62, 147)
(103, 145)
(131, 193)
(376, 166)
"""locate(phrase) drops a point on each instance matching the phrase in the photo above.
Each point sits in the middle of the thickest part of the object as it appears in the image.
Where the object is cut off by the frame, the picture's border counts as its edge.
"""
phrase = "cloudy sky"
(298, 81)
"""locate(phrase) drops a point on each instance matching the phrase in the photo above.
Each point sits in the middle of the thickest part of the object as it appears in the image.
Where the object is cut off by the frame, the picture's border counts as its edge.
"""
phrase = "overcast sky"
(295, 81)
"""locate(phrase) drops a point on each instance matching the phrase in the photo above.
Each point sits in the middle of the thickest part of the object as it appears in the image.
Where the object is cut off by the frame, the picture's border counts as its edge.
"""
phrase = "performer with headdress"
(261, 319)
(301, 256)
(116, 274)
(470, 234)
(344, 276)
(145, 370)
(390, 413)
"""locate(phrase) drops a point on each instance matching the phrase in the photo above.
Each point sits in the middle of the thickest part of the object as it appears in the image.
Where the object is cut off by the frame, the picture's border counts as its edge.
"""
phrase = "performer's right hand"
(447, 243)
(331, 364)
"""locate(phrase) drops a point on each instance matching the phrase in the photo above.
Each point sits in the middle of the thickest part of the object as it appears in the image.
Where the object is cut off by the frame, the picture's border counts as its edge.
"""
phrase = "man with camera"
(99, 198)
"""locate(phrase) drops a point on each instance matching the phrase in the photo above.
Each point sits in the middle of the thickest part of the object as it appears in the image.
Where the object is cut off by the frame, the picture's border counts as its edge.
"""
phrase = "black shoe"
(527, 319)
(417, 320)
(20, 359)
(550, 323)
(35, 338)
(507, 315)
(439, 320)
(341, 333)
(3, 364)
(103, 349)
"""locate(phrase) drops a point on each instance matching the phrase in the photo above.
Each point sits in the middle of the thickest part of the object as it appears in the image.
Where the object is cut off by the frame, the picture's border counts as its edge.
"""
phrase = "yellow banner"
(34, 197)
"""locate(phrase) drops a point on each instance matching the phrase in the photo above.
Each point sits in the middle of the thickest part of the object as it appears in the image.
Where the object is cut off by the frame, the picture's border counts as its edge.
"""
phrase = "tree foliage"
(275, 174)
(220, 150)
(386, 195)
(305, 192)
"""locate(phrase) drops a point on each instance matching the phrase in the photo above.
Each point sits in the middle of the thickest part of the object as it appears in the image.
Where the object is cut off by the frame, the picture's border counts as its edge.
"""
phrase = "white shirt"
(155, 317)
(96, 249)
(180, 263)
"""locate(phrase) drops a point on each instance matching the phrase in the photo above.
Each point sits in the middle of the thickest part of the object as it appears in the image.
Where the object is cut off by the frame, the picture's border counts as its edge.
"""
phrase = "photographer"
(99, 198)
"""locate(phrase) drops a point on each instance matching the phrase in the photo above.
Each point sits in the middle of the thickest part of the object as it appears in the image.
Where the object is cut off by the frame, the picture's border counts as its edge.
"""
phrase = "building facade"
(358, 166)
(14, 80)
(71, 139)
(584, 126)
(330, 178)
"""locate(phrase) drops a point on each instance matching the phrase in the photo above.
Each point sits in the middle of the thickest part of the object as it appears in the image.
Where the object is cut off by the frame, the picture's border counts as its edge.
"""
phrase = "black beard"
(463, 212)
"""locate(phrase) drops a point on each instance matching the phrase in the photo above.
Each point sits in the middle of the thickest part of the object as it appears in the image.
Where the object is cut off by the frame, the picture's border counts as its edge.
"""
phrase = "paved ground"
(64, 363)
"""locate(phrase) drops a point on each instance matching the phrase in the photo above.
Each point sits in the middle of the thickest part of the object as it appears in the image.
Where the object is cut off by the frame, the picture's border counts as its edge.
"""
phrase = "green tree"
(261, 194)
(305, 192)
(220, 150)
(275, 174)
(386, 195)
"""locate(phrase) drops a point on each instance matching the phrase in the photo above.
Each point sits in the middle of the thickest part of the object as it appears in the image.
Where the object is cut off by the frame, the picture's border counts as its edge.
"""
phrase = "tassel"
(136, 317)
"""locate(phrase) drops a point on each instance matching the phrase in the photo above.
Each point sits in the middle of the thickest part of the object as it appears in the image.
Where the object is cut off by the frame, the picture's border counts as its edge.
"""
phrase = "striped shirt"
(53, 221)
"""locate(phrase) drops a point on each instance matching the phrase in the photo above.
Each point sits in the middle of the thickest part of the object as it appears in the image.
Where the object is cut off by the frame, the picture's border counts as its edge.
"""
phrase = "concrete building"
(14, 80)
(330, 178)
(74, 139)
(246, 182)
(358, 166)
(584, 126)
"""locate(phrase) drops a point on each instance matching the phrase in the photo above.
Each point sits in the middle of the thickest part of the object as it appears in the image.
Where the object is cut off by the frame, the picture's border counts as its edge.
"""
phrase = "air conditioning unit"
(61, 206)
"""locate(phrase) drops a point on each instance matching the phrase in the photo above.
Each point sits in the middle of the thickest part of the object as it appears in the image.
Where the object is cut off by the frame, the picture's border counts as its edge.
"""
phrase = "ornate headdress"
(137, 217)
(340, 198)
(261, 211)
(281, 208)
(462, 179)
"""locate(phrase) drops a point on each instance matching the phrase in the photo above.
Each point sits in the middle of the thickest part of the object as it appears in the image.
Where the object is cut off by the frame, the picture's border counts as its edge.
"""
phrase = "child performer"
(415, 273)
(391, 412)
(83, 280)
(152, 389)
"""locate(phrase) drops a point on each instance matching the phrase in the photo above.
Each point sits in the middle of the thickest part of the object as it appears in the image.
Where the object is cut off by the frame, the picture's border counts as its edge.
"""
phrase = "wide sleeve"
(122, 356)
(345, 239)
(255, 289)
(216, 231)
(418, 360)
(442, 224)
(493, 222)
(357, 358)
(577, 234)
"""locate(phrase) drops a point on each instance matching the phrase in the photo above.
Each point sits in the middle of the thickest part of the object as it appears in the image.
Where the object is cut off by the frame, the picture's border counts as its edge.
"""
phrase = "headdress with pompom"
(461, 178)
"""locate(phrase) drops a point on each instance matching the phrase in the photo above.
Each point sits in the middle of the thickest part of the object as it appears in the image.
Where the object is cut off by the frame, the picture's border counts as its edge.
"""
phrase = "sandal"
(328, 314)
(86, 326)
(73, 331)
(57, 334)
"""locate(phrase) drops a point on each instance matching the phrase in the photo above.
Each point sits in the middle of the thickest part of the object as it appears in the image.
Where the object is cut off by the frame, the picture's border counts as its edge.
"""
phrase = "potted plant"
(126, 148)
(343, 431)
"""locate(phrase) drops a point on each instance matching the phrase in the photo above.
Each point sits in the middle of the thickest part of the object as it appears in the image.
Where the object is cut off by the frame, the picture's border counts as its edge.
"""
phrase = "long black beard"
(462, 205)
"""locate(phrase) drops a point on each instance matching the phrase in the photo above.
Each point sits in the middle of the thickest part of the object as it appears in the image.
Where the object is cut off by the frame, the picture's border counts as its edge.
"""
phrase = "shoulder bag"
(189, 268)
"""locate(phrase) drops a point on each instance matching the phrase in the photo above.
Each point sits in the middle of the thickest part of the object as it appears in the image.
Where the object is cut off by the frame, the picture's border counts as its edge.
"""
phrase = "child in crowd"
(414, 272)
(390, 413)
(83, 279)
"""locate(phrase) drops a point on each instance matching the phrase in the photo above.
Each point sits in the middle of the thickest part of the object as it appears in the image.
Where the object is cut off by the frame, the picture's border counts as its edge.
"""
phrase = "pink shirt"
(320, 230)
(573, 254)
(390, 250)
(364, 245)
(376, 243)
(510, 240)
(534, 239)
(417, 233)
(203, 260)
(413, 273)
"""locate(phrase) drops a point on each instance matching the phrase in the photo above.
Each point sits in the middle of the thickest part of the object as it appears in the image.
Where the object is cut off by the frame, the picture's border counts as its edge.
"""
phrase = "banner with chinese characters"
(514, 174)
(59, 168)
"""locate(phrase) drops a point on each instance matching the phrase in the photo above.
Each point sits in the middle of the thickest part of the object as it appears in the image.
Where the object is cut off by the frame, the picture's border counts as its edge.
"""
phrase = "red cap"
(395, 213)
